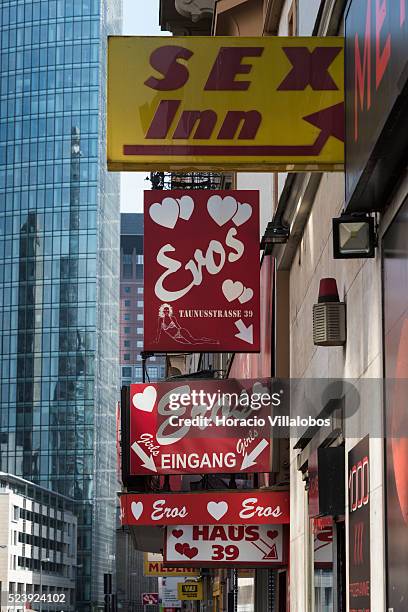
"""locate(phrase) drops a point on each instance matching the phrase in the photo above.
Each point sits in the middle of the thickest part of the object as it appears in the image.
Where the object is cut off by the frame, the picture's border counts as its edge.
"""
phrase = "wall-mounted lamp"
(354, 237)
(329, 316)
(275, 233)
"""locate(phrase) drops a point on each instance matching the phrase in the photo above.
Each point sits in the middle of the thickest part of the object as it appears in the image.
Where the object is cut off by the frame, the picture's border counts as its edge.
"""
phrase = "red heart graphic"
(272, 534)
(184, 549)
(177, 533)
(190, 552)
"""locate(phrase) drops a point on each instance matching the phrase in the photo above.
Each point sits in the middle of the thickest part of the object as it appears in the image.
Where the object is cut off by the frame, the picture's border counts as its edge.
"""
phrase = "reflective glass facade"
(131, 304)
(59, 265)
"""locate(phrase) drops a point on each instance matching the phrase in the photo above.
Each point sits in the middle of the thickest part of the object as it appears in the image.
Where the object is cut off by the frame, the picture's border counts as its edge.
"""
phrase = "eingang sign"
(232, 103)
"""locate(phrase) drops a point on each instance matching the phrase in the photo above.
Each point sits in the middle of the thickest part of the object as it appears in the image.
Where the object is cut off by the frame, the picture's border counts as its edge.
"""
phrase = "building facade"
(59, 266)
(38, 550)
(131, 304)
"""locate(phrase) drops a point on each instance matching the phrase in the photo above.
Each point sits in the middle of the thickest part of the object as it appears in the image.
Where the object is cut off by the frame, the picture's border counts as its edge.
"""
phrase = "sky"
(140, 17)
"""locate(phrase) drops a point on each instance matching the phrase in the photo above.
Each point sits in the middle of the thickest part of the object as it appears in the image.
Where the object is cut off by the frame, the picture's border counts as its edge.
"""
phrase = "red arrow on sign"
(330, 121)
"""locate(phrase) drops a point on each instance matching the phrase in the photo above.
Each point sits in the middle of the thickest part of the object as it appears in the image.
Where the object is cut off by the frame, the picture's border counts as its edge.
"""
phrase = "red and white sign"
(225, 545)
(190, 428)
(150, 599)
(201, 284)
(207, 508)
(323, 542)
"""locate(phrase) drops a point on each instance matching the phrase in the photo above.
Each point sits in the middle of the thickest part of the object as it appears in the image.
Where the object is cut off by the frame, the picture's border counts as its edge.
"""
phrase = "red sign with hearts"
(226, 545)
(201, 284)
(150, 599)
(200, 427)
(257, 507)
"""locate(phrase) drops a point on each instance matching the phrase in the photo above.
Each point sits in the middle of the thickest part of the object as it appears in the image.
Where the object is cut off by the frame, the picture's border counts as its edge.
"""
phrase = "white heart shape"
(137, 509)
(186, 204)
(232, 290)
(221, 210)
(217, 509)
(246, 295)
(243, 213)
(145, 401)
(165, 213)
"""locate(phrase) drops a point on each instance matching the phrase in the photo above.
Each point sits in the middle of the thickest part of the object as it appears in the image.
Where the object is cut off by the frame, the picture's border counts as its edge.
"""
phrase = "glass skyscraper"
(59, 266)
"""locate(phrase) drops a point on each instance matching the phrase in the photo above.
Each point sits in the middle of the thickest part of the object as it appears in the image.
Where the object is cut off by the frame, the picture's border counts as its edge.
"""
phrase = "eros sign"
(266, 103)
(199, 427)
(201, 276)
(226, 545)
(206, 508)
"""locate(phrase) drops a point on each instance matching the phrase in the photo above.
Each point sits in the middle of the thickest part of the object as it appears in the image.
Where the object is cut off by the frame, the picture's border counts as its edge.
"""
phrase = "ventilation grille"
(329, 324)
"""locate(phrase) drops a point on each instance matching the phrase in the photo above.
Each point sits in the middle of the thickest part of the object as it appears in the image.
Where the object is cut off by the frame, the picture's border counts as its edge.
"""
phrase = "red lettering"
(206, 119)
(248, 120)
(236, 533)
(309, 68)
(382, 57)
(163, 118)
(164, 60)
(228, 65)
(358, 556)
(362, 72)
(218, 533)
(200, 532)
(251, 533)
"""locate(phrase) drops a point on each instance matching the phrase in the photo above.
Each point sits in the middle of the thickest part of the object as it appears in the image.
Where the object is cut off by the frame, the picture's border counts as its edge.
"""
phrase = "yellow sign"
(226, 103)
(153, 566)
(190, 591)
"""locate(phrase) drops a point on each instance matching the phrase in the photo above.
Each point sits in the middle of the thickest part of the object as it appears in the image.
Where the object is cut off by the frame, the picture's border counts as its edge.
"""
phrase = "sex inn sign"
(206, 508)
(198, 427)
(191, 103)
(201, 273)
(226, 545)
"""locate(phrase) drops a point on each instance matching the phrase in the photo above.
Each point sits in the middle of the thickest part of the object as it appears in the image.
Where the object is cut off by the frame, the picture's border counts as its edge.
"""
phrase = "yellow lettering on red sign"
(226, 103)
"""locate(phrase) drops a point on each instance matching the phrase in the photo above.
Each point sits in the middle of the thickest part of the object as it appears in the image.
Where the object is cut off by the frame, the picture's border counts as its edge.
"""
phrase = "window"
(139, 304)
(127, 303)
(16, 513)
(126, 343)
(127, 371)
(140, 317)
(126, 330)
(126, 316)
(139, 344)
(126, 357)
(153, 372)
(139, 330)
(140, 260)
(138, 373)
(140, 290)
(127, 289)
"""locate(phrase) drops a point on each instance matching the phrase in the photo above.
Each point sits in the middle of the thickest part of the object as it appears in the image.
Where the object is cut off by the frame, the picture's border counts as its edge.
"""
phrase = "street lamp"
(46, 560)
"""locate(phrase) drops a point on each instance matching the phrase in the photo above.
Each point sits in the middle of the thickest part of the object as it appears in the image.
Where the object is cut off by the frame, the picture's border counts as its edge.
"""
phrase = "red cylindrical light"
(328, 290)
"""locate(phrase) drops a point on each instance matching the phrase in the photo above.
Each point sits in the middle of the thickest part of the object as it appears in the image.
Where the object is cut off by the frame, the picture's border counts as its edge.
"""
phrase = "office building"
(38, 548)
(59, 266)
(131, 304)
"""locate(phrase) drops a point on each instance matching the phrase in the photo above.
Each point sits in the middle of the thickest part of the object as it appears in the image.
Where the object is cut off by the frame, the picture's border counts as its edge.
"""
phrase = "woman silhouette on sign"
(168, 324)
